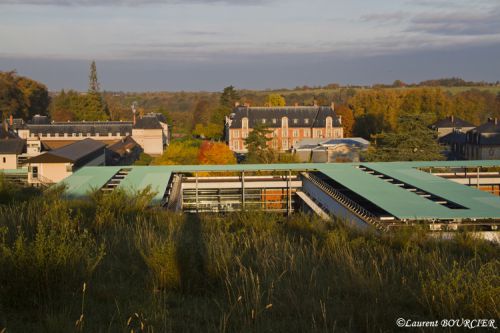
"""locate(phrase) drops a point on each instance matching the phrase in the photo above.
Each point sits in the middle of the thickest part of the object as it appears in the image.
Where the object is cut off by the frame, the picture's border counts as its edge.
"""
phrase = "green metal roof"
(88, 179)
(397, 201)
(142, 177)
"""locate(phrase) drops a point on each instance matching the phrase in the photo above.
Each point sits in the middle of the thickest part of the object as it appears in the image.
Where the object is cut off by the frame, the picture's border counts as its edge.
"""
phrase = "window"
(274, 120)
(110, 134)
(295, 121)
(295, 133)
(236, 134)
(329, 133)
(263, 120)
(244, 134)
(328, 121)
(306, 121)
(284, 122)
(307, 133)
(4, 160)
(236, 144)
(318, 134)
(69, 168)
(285, 144)
(244, 122)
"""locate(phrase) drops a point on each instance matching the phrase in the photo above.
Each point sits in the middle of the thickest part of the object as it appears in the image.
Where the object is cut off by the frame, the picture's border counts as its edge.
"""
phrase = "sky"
(159, 45)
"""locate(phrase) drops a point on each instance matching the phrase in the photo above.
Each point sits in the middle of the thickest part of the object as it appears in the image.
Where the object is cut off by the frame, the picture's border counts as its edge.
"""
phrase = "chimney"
(452, 118)
(340, 120)
(315, 102)
(134, 119)
(333, 106)
(247, 105)
(11, 120)
(296, 105)
(236, 104)
(496, 121)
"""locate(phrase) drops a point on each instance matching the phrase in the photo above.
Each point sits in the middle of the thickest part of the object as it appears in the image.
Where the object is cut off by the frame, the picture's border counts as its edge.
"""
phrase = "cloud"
(389, 17)
(457, 23)
(129, 3)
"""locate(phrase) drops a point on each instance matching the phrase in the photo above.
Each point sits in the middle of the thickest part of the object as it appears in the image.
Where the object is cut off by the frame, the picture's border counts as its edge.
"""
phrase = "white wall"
(151, 140)
(50, 172)
(10, 161)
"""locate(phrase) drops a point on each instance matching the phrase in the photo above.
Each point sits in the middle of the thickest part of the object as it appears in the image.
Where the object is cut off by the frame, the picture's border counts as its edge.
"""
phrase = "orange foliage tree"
(215, 153)
(347, 119)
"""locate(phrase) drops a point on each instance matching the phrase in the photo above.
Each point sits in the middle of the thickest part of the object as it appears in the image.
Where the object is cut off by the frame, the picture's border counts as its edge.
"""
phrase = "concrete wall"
(330, 204)
(8, 161)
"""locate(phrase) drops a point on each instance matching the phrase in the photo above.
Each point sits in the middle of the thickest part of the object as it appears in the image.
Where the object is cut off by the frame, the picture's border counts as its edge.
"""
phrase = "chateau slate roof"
(451, 122)
(103, 128)
(12, 146)
(148, 122)
(485, 134)
(298, 116)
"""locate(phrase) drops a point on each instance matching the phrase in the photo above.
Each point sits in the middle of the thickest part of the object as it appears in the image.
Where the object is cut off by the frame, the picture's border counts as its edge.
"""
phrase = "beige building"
(10, 150)
(54, 166)
(151, 132)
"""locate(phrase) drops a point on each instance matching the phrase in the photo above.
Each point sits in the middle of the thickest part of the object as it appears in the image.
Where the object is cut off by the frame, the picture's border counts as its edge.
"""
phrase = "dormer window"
(306, 121)
(284, 122)
(295, 121)
(263, 120)
(274, 120)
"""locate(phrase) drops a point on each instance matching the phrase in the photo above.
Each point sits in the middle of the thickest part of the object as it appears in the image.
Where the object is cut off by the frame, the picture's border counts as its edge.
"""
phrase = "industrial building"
(443, 195)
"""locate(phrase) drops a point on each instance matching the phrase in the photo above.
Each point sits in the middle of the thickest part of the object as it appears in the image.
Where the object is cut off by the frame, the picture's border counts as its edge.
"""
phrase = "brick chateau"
(288, 125)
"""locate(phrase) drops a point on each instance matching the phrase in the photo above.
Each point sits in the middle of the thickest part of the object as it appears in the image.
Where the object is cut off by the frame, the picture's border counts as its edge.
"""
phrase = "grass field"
(112, 265)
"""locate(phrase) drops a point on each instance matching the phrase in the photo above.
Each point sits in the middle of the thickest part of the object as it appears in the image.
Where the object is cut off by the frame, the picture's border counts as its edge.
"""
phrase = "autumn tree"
(11, 97)
(347, 119)
(22, 97)
(36, 96)
(180, 153)
(215, 153)
(275, 100)
(209, 131)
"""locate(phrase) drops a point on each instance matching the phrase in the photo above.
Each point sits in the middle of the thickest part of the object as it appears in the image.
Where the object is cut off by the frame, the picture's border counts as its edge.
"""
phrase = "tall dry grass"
(154, 271)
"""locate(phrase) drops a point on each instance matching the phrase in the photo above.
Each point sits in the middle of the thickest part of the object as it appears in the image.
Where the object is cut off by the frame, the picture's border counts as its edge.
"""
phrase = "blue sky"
(208, 44)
